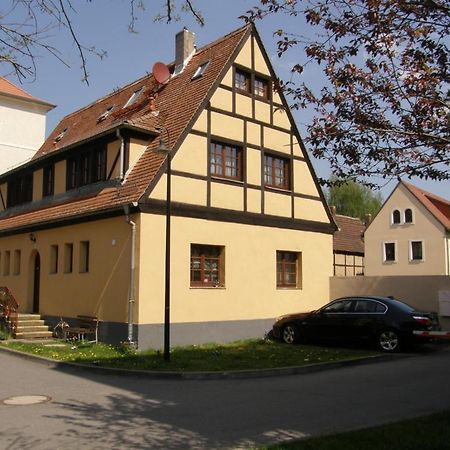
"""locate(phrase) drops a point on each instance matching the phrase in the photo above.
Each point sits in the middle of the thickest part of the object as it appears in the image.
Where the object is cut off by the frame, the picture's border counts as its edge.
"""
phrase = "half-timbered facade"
(82, 225)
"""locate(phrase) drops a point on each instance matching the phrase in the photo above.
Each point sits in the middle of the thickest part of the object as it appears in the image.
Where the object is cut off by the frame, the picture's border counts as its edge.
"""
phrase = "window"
(261, 88)
(68, 258)
(54, 250)
(276, 172)
(289, 269)
(16, 267)
(207, 265)
(20, 190)
(416, 251)
(369, 307)
(242, 80)
(133, 98)
(340, 307)
(389, 252)
(200, 70)
(48, 183)
(86, 168)
(408, 215)
(84, 256)
(104, 115)
(6, 262)
(396, 216)
(226, 161)
(61, 135)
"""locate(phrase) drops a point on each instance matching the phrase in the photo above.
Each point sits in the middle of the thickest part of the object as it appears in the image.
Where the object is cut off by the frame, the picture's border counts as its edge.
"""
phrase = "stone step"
(33, 334)
(27, 316)
(39, 327)
(31, 323)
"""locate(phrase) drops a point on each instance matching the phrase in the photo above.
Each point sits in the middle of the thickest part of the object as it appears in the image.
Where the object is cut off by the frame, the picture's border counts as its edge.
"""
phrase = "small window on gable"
(105, 114)
(396, 216)
(242, 80)
(276, 172)
(200, 70)
(133, 98)
(226, 160)
(61, 135)
(261, 88)
(408, 215)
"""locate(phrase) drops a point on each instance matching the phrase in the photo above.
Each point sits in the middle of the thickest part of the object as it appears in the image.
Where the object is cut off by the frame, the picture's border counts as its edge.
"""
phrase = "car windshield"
(401, 305)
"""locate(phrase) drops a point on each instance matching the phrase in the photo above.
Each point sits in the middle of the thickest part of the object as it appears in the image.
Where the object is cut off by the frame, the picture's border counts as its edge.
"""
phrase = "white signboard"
(444, 303)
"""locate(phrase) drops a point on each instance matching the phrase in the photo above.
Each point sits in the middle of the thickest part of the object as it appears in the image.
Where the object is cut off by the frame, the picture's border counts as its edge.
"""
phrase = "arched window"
(408, 215)
(396, 216)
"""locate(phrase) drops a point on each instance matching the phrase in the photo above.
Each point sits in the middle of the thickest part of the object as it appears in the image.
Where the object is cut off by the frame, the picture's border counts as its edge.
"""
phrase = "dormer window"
(396, 216)
(105, 114)
(133, 98)
(61, 135)
(200, 70)
(408, 215)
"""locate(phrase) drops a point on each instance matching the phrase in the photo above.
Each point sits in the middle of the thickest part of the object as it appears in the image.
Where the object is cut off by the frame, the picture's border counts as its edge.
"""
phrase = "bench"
(84, 326)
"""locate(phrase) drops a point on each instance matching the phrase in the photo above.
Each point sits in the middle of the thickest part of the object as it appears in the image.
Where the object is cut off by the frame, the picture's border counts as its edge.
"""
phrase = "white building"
(22, 124)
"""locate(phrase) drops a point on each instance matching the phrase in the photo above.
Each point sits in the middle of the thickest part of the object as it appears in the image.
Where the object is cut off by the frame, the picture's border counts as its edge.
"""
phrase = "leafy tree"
(384, 104)
(353, 199)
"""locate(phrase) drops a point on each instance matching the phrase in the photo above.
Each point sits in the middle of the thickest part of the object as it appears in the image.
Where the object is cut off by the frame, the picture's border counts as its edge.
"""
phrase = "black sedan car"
(385, 321)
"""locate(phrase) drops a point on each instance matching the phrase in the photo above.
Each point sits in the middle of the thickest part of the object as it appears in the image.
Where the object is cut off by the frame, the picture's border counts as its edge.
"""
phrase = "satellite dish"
(160, 72)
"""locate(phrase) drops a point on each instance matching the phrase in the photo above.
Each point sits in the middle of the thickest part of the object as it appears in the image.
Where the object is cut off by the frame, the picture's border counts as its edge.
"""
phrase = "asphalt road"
(90, 410)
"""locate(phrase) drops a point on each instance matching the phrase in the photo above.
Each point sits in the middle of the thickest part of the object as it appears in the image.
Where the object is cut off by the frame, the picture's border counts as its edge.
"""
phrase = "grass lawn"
(240, 355)
(425, 433)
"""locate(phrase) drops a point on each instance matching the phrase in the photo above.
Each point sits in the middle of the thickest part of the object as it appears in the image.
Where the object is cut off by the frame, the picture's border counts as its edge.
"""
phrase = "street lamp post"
(163, 150)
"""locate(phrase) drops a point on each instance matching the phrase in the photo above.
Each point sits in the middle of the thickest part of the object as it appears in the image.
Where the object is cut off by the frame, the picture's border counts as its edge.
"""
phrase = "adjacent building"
(348, 246)
(22, 124)
(410, 235)
(82, 225)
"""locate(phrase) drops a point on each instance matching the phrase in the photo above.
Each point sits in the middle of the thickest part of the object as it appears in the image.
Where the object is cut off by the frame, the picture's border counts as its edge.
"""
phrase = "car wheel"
(290, 334)
(389, 341)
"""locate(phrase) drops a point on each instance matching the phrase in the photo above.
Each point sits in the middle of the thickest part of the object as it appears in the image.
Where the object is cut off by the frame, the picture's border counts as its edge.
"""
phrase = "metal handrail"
(9, 308)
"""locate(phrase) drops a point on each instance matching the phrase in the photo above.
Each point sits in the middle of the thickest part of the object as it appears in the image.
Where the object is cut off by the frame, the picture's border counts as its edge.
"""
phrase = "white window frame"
(411, 260)
(385, 261)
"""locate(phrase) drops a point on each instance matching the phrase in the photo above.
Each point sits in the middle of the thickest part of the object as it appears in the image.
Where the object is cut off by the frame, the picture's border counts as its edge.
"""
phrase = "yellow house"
(410, 235)
(82, 225)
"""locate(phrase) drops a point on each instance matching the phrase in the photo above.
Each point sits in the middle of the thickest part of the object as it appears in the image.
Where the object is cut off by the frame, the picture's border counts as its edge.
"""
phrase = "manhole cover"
(23, 400)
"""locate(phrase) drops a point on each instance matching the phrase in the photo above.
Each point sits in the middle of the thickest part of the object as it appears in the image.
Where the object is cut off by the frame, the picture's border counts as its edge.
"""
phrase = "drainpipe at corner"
(132, 272)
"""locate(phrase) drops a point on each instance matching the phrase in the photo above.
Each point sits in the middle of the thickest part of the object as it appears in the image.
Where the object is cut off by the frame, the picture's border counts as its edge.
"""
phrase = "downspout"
(122, 155)
(131, 291)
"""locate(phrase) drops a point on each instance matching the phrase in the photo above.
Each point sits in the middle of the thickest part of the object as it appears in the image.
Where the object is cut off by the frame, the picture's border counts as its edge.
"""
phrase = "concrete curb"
(216, 375)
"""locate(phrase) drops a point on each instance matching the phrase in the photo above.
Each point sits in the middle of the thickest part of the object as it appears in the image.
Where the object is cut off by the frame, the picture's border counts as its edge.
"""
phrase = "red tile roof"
(439, 207)
(175, 106)
(349, 237)
(11, 90)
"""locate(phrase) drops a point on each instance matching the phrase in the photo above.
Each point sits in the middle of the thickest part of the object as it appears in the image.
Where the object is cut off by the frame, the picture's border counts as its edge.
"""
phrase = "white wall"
(22, 130)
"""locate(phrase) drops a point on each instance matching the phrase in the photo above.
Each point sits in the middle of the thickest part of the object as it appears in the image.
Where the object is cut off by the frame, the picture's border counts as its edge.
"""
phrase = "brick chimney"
(184, 49)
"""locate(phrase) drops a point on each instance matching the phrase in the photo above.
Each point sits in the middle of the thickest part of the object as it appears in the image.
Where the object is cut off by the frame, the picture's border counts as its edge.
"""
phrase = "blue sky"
(104, 24)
